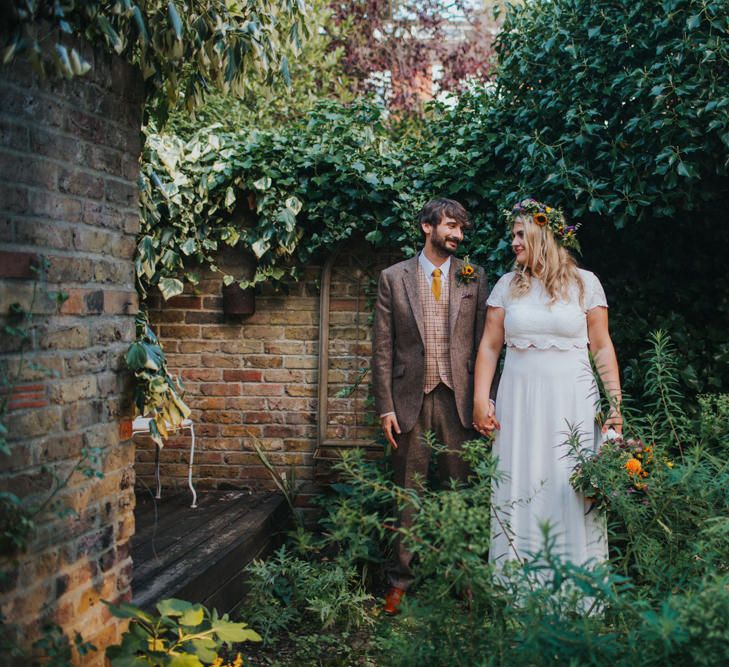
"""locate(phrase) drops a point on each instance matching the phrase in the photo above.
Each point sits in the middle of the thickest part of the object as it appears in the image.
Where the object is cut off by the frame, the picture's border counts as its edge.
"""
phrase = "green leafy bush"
(182, 635)
(660, 600)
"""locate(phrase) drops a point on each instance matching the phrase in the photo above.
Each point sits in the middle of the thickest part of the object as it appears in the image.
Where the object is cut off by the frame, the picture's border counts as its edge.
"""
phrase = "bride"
(549, 313)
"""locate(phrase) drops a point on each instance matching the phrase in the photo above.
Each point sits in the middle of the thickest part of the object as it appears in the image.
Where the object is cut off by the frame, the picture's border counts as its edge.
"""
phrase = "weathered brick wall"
(69, 154)
(255, 378)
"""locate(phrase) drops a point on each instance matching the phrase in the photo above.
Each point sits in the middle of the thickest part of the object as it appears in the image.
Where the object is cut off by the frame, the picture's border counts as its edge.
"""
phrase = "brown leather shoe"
(392, 601)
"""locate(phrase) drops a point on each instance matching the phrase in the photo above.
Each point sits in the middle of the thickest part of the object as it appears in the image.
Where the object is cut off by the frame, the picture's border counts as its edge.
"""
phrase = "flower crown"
(546, 216)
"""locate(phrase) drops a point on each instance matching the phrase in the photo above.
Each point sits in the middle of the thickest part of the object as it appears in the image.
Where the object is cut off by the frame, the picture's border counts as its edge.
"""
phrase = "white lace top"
(530, 321)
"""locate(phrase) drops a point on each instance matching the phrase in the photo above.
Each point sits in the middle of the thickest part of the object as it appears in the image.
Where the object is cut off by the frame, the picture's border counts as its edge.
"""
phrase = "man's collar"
(428, 266)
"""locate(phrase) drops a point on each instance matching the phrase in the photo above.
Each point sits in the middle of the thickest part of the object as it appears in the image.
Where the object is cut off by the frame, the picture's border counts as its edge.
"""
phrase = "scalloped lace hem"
(523, 344)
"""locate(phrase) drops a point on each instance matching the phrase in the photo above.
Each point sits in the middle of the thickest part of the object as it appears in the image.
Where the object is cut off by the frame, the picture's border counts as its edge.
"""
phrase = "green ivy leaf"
(170, 287)
(262, 183)
(693, 22)
(136, 356)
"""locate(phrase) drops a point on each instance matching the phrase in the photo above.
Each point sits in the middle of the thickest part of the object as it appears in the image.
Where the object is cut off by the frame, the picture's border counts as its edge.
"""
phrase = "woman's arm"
(603, 352)
(484, 420)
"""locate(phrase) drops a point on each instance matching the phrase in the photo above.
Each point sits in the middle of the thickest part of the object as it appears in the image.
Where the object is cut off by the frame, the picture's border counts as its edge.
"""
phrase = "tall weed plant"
(663, 598)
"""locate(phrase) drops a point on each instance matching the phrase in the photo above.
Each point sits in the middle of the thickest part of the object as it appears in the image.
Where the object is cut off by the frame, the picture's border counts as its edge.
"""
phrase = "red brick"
(261, 389)
(240, 346)
(242, 376)
(74, 182)
(278, 431)
(343, 304)
(18, 264)
(246, 403)
(258, 417)
(220, 389)
(27, 170)
(220, 361)
(203, 374)
(13, 135)
(52, 144)
(181, 331)
(239, 430)
(263, 361)
(121, 302)
(13, 198)
(206, 403)
(184, 301)
(220, 417)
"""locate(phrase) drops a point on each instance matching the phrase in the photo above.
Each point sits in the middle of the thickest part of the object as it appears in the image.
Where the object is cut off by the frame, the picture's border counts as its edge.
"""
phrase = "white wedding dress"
(546, 390)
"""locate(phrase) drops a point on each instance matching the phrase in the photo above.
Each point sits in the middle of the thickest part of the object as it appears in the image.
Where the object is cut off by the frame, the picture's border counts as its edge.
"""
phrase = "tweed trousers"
(411, 460)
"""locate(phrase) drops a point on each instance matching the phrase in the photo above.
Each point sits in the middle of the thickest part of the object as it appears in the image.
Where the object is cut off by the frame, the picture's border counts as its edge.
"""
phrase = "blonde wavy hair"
(547, 261)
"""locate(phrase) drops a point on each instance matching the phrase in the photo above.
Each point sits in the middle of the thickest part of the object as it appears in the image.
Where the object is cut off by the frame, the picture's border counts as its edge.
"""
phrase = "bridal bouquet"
(620, 467)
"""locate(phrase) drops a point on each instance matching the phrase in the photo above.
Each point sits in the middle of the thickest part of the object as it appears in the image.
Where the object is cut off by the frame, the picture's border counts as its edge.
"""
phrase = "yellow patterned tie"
(435, 285)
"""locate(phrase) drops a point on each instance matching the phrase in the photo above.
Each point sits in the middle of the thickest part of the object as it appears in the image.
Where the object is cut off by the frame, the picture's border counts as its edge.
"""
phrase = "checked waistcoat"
(437, 338)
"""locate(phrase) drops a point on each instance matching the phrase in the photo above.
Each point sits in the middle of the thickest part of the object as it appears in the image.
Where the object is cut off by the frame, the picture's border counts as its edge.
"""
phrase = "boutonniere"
(467, 274)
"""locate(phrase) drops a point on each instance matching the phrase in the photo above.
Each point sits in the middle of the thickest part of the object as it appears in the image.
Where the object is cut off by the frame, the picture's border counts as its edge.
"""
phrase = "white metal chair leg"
(141, 426)
(189, 469)
(158, 495)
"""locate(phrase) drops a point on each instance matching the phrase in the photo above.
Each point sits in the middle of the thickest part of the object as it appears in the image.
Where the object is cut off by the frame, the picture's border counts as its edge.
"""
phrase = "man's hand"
(389, 424)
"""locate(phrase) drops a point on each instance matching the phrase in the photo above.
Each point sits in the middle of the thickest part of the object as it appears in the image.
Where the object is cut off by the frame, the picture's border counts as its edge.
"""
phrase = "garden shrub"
(660, 600)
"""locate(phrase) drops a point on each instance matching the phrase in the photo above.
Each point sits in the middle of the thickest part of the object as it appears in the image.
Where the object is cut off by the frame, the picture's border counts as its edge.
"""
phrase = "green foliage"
(662, 598)
(182, 635)
(157, 394)
(182, 50)
(294, 590)
(284, 196)
(57, 650)
(617, 113)
(315, 73)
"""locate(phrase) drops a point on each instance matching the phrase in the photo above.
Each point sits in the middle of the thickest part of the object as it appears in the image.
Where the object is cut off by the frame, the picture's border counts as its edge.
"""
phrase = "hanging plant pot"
(237, 301)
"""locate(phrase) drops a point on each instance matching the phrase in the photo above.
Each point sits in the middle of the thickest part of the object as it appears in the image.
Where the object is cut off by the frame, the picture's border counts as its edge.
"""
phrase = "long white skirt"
(542, 396)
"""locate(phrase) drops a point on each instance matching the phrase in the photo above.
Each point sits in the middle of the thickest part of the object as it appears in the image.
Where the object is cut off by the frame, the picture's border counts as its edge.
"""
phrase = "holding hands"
(484, 418)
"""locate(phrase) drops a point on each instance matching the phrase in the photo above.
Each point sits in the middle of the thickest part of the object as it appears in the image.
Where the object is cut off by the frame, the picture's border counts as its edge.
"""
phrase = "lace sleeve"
(497, 297)
(594, 293)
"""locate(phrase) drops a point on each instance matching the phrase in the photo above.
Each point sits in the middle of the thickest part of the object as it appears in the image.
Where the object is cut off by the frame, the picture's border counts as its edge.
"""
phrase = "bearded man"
(429, 318)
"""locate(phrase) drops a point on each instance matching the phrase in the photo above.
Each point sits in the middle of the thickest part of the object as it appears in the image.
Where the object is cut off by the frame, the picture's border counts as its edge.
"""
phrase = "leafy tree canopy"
(179, 48)
(315, 72)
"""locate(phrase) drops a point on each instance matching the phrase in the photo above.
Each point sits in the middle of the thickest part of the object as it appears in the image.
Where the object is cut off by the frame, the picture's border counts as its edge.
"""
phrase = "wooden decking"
(198, 554)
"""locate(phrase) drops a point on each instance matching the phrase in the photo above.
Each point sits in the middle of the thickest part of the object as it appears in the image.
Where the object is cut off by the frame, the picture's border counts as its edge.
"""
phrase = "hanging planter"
(237, 301)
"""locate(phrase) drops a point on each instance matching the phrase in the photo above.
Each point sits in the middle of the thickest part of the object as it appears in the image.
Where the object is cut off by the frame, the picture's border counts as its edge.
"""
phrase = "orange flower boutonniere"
(467, 274)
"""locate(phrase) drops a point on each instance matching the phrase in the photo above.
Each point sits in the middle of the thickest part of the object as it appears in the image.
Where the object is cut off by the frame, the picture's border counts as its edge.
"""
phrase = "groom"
(429, 318)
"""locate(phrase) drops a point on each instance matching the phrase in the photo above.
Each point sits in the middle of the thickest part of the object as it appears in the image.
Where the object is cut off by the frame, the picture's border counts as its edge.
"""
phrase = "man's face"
(446, 236)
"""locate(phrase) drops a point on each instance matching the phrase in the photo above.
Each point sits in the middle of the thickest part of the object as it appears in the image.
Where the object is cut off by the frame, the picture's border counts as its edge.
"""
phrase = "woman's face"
(518, 242)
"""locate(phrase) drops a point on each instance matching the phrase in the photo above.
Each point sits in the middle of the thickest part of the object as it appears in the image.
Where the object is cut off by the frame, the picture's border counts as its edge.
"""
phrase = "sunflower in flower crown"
(546, 216)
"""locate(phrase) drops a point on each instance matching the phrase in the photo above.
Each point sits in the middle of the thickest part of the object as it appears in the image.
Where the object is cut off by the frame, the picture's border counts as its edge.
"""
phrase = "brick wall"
(255, 378)
(69, 155)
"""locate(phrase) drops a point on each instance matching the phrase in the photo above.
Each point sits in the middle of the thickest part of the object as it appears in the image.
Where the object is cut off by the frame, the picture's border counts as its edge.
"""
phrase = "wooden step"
(199, 554)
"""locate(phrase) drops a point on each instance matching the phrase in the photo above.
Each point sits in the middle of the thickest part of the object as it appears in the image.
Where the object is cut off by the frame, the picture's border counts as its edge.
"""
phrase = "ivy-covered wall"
(69, 153)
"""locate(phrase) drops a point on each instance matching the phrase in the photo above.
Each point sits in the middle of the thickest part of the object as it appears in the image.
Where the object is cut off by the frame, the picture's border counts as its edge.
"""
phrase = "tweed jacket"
(398, 349)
